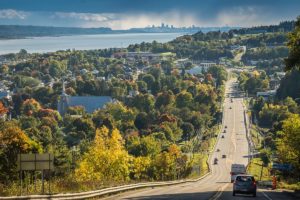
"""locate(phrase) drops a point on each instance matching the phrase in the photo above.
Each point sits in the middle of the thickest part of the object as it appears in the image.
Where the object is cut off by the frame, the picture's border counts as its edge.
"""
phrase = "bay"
(81, 42)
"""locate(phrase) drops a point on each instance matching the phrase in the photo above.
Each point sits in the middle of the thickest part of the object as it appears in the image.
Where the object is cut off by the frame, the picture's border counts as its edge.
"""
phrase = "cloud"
(94, 17)
(246, 16)
(127, 20)
(13, 14)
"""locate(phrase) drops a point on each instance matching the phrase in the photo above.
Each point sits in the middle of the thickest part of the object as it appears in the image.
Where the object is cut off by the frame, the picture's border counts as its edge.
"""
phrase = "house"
(266, 95)
(5, 95)
(196, 70)
(144, 56)
(90, 103)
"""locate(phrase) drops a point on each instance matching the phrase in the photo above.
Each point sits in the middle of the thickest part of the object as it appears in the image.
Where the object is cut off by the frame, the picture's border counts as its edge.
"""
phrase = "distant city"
(171, 28)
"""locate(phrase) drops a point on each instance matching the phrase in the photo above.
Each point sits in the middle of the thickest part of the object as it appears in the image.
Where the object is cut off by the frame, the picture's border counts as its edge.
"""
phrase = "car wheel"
(233, 193)
(254, 194)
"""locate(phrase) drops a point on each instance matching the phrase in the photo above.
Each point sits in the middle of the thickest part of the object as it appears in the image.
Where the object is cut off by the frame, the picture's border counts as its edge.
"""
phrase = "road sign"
(282, 166)
(35, 162)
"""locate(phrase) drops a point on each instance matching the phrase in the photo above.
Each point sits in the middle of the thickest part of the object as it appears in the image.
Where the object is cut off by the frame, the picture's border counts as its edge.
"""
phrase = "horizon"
(126, 14)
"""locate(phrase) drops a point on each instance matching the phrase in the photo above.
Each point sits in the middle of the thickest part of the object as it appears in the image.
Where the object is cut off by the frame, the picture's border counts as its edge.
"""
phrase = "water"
(81, 42)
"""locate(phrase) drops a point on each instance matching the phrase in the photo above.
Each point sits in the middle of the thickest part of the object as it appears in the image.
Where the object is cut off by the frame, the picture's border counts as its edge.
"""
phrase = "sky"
(125, 14)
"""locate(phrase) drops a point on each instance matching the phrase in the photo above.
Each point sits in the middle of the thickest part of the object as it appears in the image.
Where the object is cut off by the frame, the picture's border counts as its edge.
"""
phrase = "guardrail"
(103, 192)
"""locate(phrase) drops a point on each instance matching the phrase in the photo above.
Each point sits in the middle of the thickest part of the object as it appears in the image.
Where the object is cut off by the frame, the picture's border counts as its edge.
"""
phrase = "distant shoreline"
(114, 33)
(8, 32)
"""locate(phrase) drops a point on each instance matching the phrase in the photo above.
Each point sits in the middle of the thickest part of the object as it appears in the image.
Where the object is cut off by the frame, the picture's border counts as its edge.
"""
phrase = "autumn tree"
(13, 141)
(30, 106)
(3, 109)
(106, 159)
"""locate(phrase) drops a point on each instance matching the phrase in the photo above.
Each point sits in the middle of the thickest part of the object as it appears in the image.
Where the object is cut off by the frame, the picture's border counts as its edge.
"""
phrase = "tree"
(164, 99)
(144, 102)
(149, 79)
(293, 60)
(141, 166)
(184, 99)
(3, 110)
(289, 145)
(13, 141)
(141, 121)
(188, 130)
(30, 106)
(106, 159)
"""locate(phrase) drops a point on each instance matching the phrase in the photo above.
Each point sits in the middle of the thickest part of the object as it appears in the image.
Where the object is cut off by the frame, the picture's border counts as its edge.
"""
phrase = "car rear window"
(245, 178)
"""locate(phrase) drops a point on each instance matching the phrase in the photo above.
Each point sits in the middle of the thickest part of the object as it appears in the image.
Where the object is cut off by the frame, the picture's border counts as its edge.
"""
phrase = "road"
(216, 185)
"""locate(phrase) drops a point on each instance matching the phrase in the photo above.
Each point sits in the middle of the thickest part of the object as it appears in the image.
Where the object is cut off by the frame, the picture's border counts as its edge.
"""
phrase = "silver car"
(244, 184)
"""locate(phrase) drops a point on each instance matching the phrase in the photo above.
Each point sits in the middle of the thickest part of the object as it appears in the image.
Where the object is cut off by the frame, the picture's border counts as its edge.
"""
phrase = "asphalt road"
(216, 185)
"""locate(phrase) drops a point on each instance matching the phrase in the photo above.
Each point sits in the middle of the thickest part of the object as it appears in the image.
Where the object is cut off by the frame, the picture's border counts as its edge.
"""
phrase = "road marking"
(219, 192)
(267, 197)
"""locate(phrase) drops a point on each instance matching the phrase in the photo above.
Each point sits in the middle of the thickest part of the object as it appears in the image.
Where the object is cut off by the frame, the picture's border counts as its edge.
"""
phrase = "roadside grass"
(256, 137)
(289, 184)
(260, 172)
(200, 165)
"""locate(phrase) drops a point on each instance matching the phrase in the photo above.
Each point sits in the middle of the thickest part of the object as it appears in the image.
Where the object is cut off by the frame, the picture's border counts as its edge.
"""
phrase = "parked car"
(223, 156)
(218, 150)
(222, 136)
(224, 131)
(230, 107)
(225, 126)
(244, 184)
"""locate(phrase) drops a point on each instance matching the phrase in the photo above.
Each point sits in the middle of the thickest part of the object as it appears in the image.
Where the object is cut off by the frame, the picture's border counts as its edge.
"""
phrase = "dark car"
(223, 156)
(222, 136)
(225, 126)
(224, 131)
(215, 161)
(244, 184)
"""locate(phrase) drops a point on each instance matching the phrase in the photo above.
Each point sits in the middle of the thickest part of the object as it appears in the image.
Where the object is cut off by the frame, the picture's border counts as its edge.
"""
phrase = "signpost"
(35, 162)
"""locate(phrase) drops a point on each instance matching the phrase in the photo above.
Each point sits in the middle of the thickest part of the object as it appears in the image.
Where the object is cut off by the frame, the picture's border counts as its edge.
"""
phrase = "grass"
(257, 169)
(289, 185)
(256, 137)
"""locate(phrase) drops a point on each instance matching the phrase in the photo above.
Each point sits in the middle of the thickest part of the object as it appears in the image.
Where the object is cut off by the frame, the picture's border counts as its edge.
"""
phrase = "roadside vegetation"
(276, 119)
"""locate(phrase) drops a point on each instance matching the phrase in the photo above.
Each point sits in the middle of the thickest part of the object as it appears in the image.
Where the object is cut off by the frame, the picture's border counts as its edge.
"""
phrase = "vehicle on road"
(244, 184)
(230, 107)
(215, 161)
(225, 126)
(223, 156)
(224, 131)
(218, 150)
(222, 136)
(237, 169)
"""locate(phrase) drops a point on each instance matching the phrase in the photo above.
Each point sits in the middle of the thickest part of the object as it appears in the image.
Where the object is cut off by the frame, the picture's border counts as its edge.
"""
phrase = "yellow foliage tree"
(141, 166)
(106, 159)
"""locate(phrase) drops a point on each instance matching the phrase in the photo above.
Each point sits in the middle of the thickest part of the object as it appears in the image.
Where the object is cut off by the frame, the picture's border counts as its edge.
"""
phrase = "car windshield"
(244, 179)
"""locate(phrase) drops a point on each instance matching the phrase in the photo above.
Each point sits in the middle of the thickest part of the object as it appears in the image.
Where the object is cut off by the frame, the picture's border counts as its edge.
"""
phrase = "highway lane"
(217, 185)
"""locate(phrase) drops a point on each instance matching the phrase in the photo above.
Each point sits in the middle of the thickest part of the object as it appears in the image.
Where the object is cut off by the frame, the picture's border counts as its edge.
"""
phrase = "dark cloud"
(214, 12)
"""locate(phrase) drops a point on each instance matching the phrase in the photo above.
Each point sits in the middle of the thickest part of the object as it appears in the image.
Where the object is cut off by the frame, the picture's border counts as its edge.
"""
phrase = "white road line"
(269, 198)
(219, 193)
